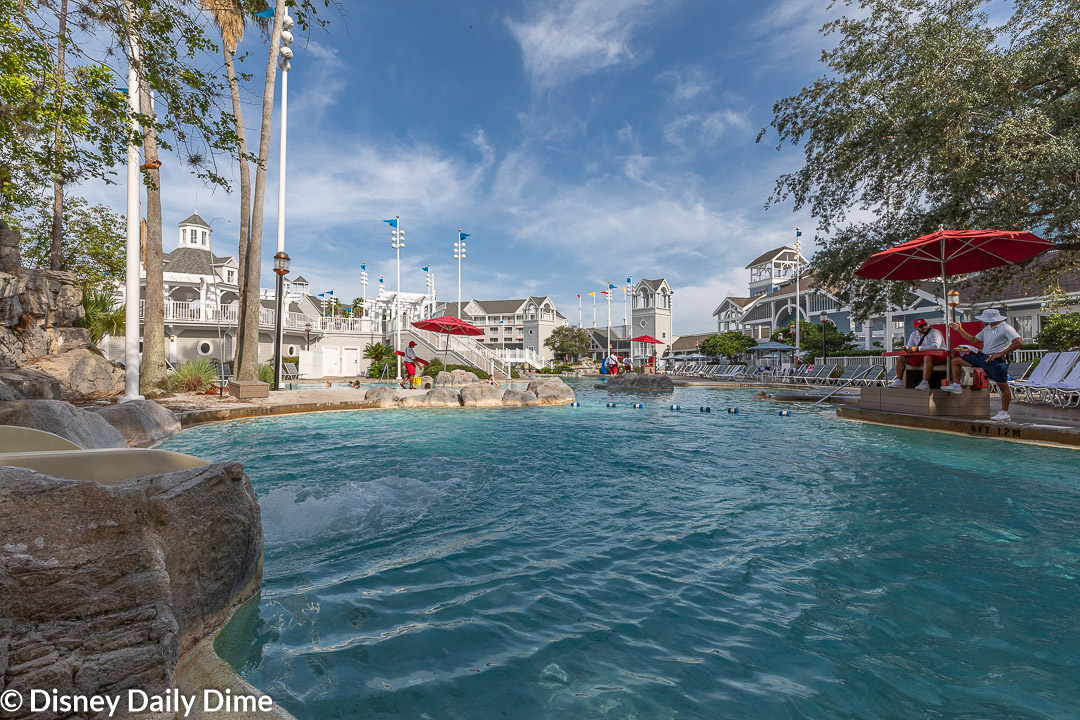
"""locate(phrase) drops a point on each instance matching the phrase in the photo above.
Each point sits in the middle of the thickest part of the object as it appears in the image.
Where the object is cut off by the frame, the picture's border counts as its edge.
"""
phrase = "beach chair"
(1019, 388)
(289, 371)
(873, 376)
(732, 372)
(1067, 392)
(826, 374)
(1038, 390)
(848, 373)
(812, 374)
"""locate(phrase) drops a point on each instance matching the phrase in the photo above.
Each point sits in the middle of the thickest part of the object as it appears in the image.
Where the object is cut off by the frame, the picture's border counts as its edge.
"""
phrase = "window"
(205, 348)
(230, 275)
(203, 237)
(898, 324)
(183, 235)
(291, 351)
(643, 323)
(1022, 325)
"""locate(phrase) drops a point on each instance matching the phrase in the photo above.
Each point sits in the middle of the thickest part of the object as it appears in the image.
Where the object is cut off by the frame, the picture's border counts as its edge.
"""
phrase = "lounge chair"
(851, 373)
(873, 376)
(1038, 391)
(825, 375)
(289, 371)
(1067, 392)
(1046, 362)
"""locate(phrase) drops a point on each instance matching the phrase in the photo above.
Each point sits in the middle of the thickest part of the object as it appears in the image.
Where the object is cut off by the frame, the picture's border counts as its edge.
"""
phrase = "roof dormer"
(194, 233)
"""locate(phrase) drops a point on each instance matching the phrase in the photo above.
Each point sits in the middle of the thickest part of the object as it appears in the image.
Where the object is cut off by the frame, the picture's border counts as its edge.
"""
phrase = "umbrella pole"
(945, 314)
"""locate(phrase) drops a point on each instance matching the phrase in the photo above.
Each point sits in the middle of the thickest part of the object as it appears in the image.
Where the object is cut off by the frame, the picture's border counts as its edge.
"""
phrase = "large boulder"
(481, 395)
(639, 382)
(19, 383)
(82, 427)
(455, 377)
(384, 397)
(105, 587)
(142, 422)
(519, 398)
(441, 397)
(551, 391)
(82, 372)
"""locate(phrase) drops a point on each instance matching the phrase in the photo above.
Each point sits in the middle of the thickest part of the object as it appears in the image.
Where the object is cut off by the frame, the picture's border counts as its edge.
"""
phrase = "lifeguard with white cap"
(998, 340)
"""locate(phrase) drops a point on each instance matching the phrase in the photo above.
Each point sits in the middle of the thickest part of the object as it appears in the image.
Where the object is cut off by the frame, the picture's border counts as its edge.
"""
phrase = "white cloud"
(575, 38)
(688, 83)
(704, 129)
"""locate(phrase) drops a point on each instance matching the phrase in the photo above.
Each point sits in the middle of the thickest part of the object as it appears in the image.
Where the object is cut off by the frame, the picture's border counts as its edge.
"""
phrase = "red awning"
(960, 251)
(646, 339)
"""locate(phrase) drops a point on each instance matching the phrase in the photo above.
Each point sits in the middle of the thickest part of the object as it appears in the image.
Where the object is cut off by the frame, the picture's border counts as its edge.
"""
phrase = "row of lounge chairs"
(1055, 381)
(822, 374)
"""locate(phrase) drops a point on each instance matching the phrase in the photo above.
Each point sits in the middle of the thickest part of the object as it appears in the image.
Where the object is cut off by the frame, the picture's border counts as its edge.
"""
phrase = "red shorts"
(410, 368)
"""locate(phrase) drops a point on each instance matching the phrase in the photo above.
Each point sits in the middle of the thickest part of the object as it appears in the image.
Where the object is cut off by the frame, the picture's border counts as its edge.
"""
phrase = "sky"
(577, 142)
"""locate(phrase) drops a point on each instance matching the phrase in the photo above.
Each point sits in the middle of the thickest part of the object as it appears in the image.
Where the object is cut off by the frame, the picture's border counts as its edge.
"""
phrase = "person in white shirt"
(922, 338)
(998, 340)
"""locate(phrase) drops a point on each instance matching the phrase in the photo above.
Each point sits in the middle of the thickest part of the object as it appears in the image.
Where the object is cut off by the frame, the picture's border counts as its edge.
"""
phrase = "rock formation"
(85, 429)
(455, 377)
(142, 422)
(546, 391)
(37, 311)
(104, 588)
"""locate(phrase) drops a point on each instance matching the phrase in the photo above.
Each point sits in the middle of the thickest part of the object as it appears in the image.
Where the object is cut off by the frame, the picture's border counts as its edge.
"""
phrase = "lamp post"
(397, 241)
(953, 299)
(430, 285)
(281, 269)
(459, 255)
(131, 280)
(307, 332)
(825, 321)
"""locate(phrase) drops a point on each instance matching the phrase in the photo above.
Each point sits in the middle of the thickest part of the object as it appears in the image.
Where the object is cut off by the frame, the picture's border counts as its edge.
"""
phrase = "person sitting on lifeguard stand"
(922, 338)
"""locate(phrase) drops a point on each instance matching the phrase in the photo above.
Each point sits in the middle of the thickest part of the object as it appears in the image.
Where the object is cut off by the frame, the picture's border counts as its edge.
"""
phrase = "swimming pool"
(599, 562)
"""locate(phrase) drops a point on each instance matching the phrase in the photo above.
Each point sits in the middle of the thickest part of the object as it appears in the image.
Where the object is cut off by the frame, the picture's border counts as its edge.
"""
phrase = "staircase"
(458, 349)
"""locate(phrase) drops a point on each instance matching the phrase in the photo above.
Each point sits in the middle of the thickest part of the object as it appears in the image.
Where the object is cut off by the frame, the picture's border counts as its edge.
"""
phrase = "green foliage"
(382, 357)
(1060, 333)
(193, 376)
(514, 374)
(837, 343)
(433, 368)
(104, 315)
(729, 344)
(266, 373)
(483, 375)
(927, 114)
(568, 340)
(557, 369)
(94, 249)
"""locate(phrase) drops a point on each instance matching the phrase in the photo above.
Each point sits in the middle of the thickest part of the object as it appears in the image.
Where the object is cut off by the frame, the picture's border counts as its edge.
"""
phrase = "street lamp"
(307, 332)
(281, 269)
(363, 282)
(459, 255)
(397, 241)
(430, 283)
(798, 278)
(824, 317)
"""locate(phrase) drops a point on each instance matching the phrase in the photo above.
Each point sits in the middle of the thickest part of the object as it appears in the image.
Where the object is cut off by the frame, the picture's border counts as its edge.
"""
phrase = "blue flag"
(391, 223)
(462, 236)
(610, 286)
(629, 281)
(425, 268)
(798, 232)
(268, 13)
(363, 266)
(380, 278)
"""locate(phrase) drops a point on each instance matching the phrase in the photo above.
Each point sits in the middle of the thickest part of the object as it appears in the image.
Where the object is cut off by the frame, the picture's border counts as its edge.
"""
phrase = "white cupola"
(195, 233)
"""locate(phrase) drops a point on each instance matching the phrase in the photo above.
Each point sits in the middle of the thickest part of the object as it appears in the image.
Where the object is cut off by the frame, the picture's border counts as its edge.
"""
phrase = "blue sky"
(577, 142)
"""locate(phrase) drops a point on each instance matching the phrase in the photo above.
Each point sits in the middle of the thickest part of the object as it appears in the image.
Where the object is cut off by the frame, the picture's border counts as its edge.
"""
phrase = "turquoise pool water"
(600, 562)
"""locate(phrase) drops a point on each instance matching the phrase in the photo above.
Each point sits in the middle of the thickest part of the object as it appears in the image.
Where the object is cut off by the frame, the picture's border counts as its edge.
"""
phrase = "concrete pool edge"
(1032, 434)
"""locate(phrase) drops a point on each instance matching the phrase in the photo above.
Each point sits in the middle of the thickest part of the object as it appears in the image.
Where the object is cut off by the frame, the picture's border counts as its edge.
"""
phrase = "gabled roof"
(689, 342)
(195, 220)
(499, 307)
(191, 261)
(300, 280)
(653, 285)
(770, 255)
(737, 301)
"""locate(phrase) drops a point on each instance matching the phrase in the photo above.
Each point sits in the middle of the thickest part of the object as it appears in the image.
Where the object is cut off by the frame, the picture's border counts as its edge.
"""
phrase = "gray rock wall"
(104, 588)
(546, 391)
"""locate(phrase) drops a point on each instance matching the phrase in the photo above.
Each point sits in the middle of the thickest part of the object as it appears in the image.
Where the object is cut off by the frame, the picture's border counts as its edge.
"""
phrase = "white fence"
(844, 361)
(522, 355)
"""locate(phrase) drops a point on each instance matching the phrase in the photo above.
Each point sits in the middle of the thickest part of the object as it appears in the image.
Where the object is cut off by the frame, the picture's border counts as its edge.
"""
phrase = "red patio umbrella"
(645, 339)
(448, 325)
(952, 252)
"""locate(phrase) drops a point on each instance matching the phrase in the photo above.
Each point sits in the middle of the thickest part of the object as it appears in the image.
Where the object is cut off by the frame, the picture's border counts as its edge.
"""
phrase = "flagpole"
(609, 321)
(798, 277)
(579, 310)
(593, 309)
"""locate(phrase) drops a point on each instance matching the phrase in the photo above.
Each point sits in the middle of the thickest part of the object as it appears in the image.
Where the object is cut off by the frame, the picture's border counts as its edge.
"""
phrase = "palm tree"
(358, 306)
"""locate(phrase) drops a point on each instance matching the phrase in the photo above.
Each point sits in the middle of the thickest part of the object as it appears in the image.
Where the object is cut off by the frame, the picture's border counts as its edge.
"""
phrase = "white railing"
(1027, 355)
(522, 355)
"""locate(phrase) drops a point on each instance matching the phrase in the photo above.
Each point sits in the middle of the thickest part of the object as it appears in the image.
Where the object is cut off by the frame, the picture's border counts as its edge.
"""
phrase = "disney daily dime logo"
(135, 701)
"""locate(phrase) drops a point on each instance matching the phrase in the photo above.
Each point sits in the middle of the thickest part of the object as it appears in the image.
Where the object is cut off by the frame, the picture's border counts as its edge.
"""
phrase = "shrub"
(266, 373)
(433, 368)
(1060, 332)
(193, 376)
(468, 368)
(514, 373)
(104, 316)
